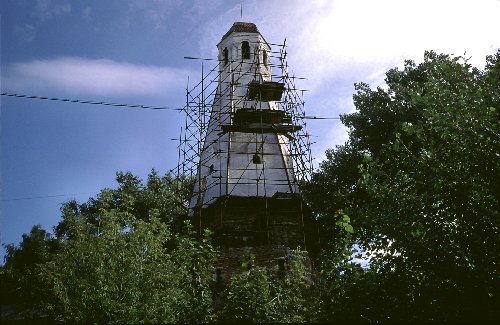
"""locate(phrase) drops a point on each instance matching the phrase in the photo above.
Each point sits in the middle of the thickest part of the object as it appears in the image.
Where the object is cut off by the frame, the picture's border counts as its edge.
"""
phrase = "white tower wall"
(242, 162)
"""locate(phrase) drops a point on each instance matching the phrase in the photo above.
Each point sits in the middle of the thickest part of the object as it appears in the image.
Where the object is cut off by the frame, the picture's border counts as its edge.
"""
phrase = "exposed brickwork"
(230, 259)
(268, 228)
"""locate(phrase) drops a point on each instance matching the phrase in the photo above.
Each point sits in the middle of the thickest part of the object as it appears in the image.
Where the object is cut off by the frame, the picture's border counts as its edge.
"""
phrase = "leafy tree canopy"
(115, 259)
(259, 295)
(419, 179)
(415, 188)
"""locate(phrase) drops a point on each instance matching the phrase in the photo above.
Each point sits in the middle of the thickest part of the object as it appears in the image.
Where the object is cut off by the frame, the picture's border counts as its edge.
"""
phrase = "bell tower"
(246, 190)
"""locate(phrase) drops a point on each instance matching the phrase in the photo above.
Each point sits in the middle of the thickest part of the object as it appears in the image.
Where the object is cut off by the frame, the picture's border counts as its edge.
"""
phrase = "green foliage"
(193, 260)
(126, 272)
(257, 294)
(115, 259)
(162, 197)
(419, 178)
(20, 284)
(415, 189)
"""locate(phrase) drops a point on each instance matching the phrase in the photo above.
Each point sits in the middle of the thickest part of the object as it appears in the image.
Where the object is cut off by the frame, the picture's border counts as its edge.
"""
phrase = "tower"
(246, 187)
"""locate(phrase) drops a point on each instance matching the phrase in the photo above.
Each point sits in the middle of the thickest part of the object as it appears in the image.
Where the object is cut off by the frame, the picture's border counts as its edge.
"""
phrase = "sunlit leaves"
(116, 259)
(423, 195)
(257, 294)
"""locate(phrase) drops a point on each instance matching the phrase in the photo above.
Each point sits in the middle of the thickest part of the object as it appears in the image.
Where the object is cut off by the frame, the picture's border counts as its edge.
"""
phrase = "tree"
(419, 179)
(128, 271)
(20, 284)
(115, 259)
(165, 197)
(257, 294)
(415, 188)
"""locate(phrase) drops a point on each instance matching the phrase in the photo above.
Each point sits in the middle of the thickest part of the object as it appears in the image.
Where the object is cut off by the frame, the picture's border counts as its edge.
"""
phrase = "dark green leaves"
(115, 259)
(423, 193)
(257, 294)
(415, 189)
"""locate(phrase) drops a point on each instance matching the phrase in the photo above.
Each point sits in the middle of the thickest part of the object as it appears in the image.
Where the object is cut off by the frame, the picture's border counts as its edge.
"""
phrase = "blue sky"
(132, 52)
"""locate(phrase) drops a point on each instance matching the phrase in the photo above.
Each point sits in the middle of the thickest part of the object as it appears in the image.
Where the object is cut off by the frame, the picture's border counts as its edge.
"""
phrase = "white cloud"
(157, 12)
(25, 33)
(47, 9)
(43, 11)
(87, 13)
(334, 37)
(72, 75)
(328, 37)
(336, 43)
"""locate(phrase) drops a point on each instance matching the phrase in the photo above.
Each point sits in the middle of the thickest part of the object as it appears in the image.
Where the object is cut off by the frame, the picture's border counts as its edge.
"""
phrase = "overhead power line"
(103, 103)
(46, 196)
(307, 117)
(91, 102)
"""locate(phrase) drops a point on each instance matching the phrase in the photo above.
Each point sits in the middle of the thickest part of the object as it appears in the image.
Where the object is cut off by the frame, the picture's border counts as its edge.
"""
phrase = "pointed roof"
(241, 27)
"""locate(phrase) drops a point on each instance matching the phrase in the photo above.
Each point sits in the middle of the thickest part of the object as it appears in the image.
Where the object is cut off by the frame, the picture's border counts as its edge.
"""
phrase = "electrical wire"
(46, 196)
(103, 103)
(91, 102)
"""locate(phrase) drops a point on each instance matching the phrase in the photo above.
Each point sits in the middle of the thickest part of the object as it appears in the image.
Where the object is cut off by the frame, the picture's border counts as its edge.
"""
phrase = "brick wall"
(268, 228)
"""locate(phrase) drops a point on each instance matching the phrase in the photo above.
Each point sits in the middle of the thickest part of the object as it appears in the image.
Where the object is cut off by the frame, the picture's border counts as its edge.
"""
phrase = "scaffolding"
(287, 120)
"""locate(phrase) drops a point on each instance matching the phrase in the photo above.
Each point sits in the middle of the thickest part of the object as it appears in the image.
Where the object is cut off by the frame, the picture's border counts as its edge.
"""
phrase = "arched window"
(226, 56)
(245, 50)
(264, 58)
